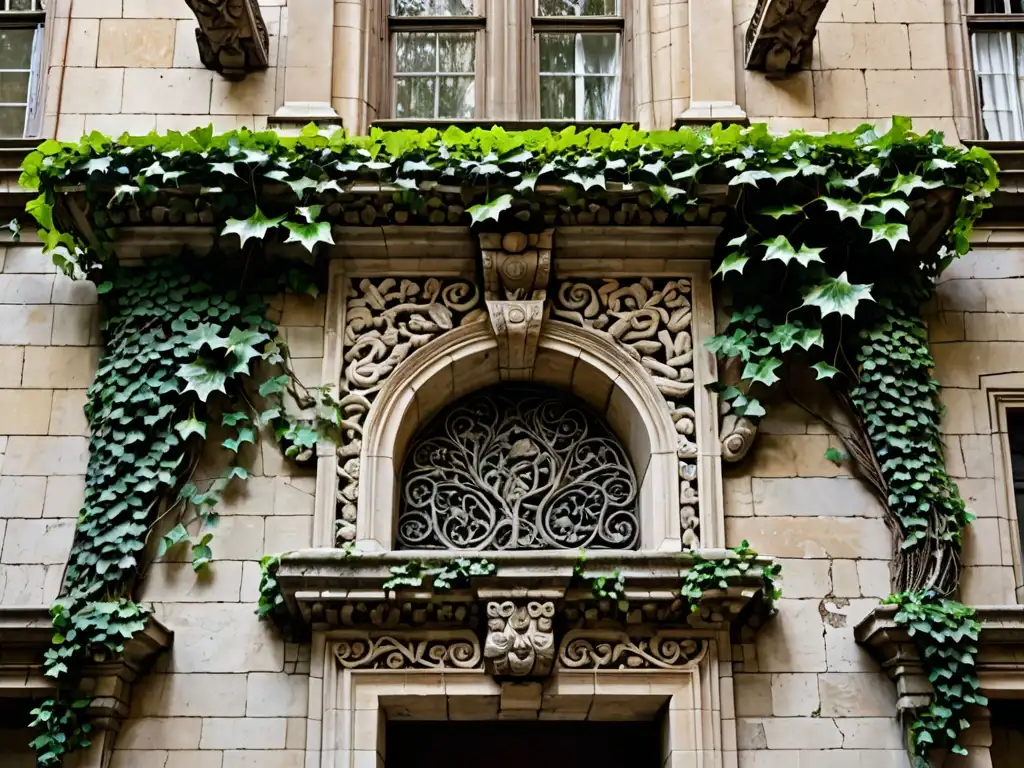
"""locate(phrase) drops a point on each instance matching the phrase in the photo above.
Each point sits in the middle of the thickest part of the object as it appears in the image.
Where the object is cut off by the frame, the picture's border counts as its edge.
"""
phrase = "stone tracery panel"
(386, 320)
(517, 467)
(652, 321)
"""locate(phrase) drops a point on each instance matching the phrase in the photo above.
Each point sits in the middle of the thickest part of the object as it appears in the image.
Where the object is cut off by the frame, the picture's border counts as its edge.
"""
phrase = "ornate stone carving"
(231, 35)
(651, 321)
(519, 468)
(516, 269)
(520, 640)
(737, 434)
(385, 322)
(438, 650)
(780, 34)
(590, 649)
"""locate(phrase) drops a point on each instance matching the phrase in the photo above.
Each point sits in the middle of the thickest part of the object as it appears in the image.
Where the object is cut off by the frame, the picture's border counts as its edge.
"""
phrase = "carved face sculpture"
(520, 640)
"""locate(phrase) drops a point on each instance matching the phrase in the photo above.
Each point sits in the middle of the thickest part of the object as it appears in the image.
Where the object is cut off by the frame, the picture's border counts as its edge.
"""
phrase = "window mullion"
(578, 83)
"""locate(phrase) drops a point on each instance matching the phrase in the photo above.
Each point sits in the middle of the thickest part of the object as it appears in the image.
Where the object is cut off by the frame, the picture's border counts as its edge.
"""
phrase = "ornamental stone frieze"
(780, 34)
(232, 36)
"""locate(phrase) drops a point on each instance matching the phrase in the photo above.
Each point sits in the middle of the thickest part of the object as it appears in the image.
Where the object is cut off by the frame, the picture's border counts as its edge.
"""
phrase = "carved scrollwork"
(231, 35)
(737, 435)
(651, 320)
(517, 468)
(520, 639)
(385, 322)
(587, 649)
(448, 650)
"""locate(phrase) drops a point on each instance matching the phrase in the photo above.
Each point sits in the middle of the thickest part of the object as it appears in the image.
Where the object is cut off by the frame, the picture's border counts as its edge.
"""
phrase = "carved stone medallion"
(595, 649)
(520, 639)
(517, 467)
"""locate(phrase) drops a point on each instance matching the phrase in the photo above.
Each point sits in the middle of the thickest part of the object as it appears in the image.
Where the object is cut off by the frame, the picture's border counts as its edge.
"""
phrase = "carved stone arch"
(464, 360)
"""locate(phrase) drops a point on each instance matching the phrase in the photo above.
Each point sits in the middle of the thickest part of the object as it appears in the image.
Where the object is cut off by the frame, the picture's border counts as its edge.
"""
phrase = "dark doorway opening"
(514, 744)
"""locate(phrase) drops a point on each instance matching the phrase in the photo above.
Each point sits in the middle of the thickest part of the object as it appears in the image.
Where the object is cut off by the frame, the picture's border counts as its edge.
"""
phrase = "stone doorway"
(511, 744)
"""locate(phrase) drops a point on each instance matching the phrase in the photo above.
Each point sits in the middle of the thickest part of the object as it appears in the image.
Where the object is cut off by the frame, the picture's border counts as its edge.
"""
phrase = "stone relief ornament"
(231, 35)
(440, 650)
(517, 467)
(520, 639)
(590, 649)
(651, 320)
(386, 321)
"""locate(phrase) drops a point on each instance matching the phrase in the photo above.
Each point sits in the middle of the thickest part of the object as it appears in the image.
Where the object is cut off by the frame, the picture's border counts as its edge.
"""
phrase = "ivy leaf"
(202, 379)
(749, 177)
(256, 226)
(245, 435)
(810, 337)
(205, 334)
(785, 336)
(172, 538)
(734, 262)
(490, 211)
(891, 204)
(191, 426)
(890, 233)
(763, 371)
(98, 164)
(310, 213)
(824, 371)
(837, 295)
(273, 386)
(227, 169)
(846, 209)
(309, 234)
(780, 249)
(201, 552)
(906, 183)
(835, 456)
(778, 211)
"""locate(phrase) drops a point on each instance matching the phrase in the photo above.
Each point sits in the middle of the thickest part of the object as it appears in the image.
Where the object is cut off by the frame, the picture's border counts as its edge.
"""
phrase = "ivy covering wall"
(828, 253)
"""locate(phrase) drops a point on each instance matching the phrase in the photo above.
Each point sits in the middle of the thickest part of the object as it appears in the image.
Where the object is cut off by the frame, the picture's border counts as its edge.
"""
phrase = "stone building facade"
(820, 683)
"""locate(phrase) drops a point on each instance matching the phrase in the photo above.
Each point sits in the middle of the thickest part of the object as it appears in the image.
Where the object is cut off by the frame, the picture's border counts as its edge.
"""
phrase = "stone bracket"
(780, 33)
(232, 36)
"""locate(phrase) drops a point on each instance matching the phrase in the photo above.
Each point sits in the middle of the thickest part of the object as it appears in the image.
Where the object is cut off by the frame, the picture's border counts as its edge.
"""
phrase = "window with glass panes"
(21, 66)
(434, 58)
(579, 46)
(997, 47)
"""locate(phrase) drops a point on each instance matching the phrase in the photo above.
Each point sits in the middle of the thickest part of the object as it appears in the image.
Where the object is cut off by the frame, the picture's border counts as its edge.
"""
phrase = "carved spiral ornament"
(517, 468)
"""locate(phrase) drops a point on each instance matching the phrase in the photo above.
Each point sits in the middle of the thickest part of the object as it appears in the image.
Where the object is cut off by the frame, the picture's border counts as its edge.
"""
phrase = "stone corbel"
(736, 434)
(780, 34)
(516, 269)
(520, 638)
(232, 36)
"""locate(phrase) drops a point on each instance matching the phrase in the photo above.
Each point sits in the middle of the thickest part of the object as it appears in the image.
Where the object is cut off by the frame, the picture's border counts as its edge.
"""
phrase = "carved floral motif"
(519, 468)
(385, 322)
(589, 649)
(445, 650)
(651, 321)
(520, 639)
(231, 35)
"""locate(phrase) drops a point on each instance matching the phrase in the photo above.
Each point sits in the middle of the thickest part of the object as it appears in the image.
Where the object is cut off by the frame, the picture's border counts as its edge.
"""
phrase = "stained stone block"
(195, 695)
(856, 694)
(243, 733)
(37, 541)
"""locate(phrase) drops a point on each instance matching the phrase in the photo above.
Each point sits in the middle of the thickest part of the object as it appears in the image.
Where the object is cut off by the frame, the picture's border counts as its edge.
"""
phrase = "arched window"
(517, 467)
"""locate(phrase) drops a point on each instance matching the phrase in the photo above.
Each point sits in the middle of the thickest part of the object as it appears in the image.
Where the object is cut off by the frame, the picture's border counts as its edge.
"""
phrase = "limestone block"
(993, 326)
(82, 42)
(45, 456)
(962, 295)
(160, 733)
(160, 695)
(75, 325)
(59, 367)
(750, 734)
(871, 733)
(192, 759)
(282, 758)
(794, 695)
(863, 46)
(11, 362)
(808, 733)
(805, 578)
(25, 324)
(304, 341)
(22, 496)
(813, 537)
(987, 585)
(88, 90)
(856, 694)
(874, 577)
(966, 412)
(296, 733)
(909, 11)
(68, 291)
(753, 695)
(25, 411)
(236, 537)
(793, 641)
(175, 91)
(738, 500)
(129, 758)
(277, 695)
(293, 496)
(303, 310)
(984, 543)
(64, 496)
(221, 638)
(285, 534)
(795, 497)
(255, 95)
(840, 616)
(28, 259)
(946, 326)
(250, 582)
(66, 414)
(986, 263)
(840, 93)
(954, 456)
(25, 289)
(154, 9)
(792, 455)
(979, 495)
(136, 43)
(219, 582)
(243, 733)
(29, 584)
(912, 93)
(928, 46)
(844, 578)
(37, 541)
(848, 10)
(253, 497)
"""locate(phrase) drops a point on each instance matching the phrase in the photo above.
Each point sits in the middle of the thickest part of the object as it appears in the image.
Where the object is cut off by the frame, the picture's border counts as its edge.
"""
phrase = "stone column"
(712, 65)
(309, 63)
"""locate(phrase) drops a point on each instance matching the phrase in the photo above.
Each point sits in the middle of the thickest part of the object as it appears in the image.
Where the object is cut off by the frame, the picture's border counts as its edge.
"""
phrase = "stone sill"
(417, 124)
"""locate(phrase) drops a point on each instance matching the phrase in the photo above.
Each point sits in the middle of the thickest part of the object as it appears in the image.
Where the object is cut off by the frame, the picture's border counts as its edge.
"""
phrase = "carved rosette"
(651, 320)
(457, 649)
(386, 321)
(520, 638)
(231, 35)
(595, 649)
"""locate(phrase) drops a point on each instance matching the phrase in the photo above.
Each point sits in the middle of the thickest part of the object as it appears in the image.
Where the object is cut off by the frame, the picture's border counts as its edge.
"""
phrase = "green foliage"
(721, 573)
(946, 634)
(271, 602)
(438, 575)
(62, 730)
(605, 587)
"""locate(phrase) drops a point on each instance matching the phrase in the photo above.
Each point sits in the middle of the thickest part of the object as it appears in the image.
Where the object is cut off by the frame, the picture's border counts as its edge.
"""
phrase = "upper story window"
(434, 47)
(21, 67)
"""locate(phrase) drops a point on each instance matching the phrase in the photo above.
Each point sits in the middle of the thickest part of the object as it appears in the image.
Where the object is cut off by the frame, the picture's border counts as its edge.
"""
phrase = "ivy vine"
(439, 574)
(721, 572)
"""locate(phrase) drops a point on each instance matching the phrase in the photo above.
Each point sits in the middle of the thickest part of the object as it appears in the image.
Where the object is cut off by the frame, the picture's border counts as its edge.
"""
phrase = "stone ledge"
(780, 33)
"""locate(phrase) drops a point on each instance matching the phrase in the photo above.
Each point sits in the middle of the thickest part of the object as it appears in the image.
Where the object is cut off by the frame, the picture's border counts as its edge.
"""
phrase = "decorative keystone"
(780, 34)
(232, 37)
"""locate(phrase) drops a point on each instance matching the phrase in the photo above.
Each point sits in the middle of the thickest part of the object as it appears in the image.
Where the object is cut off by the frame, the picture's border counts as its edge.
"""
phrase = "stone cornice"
(231, 36)
(780, 33)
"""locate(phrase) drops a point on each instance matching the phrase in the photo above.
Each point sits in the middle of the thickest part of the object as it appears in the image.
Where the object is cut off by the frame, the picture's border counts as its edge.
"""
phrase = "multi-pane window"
(434, 58)
(997, 45)
(21, 66)
(579, 45)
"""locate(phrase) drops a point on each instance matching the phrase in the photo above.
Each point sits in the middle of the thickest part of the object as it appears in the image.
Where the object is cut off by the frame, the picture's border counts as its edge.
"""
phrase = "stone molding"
(779, 35)
(232, 36)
